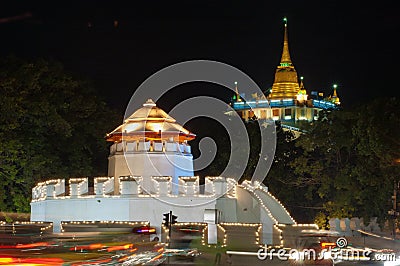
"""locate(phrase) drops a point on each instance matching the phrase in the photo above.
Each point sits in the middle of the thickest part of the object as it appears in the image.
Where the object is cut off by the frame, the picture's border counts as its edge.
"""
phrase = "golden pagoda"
(286, 84)
(288, 101)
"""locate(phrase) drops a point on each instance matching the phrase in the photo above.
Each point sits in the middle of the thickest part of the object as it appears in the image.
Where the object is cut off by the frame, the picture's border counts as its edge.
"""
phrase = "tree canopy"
(345, 165)
(52, 125)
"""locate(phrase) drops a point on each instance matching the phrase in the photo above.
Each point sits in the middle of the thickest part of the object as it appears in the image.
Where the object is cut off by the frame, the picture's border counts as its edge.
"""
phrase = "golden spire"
(335, 98)
(285, 59)
(238, 98)
(236, 88)
(286, 82)
(301, 83)
(334, 90)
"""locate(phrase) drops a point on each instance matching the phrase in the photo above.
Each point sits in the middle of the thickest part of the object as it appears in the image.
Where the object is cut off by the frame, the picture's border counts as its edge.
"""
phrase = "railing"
(150, 146)
(238, 106)
(324, 104)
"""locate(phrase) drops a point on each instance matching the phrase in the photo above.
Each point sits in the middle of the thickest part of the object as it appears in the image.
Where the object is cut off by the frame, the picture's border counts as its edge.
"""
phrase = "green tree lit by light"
(51, 125)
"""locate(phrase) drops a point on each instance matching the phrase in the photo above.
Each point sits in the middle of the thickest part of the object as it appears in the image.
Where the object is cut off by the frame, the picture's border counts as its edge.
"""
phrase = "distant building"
(288, 99)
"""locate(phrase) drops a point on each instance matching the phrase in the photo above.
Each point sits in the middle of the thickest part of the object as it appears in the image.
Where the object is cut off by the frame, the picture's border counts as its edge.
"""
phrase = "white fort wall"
(115, 209)
(52, 202)
(227, 201)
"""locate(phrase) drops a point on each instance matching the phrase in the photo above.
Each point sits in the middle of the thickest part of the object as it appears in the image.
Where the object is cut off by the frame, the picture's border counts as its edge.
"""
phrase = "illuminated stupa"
(286, 83)
(287, 101)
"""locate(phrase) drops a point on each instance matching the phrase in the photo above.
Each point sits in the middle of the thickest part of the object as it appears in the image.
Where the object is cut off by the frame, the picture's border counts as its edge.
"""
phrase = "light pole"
(393, 212)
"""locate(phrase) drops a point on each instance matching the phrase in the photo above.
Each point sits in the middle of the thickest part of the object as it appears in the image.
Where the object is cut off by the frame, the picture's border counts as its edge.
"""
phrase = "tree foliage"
(344, 166)
(51, 125)
(348, 160)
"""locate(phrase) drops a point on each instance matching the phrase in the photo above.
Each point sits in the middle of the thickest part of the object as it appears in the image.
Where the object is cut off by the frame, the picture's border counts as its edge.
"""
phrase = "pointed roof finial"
(150, 103)
(238, 98)
(285, 59)
(335, 98)
(301, 83)
(334, 90)
(236, 88)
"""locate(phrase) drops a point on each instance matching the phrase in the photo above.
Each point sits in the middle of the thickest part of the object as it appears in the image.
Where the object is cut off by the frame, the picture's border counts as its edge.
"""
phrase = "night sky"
(119, 44)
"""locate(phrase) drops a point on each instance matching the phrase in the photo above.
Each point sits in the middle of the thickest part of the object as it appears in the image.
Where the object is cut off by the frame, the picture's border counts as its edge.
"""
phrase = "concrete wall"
(239, 205)
(227, 206)
(114, 208)
(248, 208)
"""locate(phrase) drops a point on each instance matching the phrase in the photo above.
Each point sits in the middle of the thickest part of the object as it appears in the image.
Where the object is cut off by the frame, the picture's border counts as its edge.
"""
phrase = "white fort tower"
(151, 173)
(148, 144)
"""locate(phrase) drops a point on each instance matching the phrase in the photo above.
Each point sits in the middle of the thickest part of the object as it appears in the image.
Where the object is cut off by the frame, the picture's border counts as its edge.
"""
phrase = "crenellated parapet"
(49, 189)
(78, 186)
(101, 185)
(132, 186)
(189, 185)
(218, 185)
(139, 146)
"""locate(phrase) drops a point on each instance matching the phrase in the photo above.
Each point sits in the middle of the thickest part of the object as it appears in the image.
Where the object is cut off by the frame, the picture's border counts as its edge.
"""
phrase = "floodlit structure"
(150, 174)
(287, 101)
(150, 143)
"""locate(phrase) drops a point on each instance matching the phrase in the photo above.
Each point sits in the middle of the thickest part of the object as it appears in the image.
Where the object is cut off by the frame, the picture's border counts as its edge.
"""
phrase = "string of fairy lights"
(104, 187)
(14, 226)
(65, 224)
(132, 185)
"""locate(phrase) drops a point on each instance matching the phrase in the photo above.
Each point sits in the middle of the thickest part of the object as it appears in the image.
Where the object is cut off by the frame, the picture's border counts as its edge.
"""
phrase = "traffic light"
(166, 219)
(173, 219)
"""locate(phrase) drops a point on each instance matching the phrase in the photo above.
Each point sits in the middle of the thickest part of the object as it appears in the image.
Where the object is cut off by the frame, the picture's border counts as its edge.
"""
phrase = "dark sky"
(350, 43)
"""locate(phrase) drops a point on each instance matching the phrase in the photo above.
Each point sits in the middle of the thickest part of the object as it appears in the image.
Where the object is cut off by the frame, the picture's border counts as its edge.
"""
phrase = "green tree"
(348, 159)
(283, 182)
(51, 124)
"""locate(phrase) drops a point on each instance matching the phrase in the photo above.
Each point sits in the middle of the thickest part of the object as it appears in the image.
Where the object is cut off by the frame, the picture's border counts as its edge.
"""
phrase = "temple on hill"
(151, 174)
(288, 100)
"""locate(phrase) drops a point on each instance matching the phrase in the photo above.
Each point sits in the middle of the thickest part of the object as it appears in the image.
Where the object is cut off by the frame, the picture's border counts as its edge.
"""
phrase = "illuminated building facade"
(287, 101)
(150, 174)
